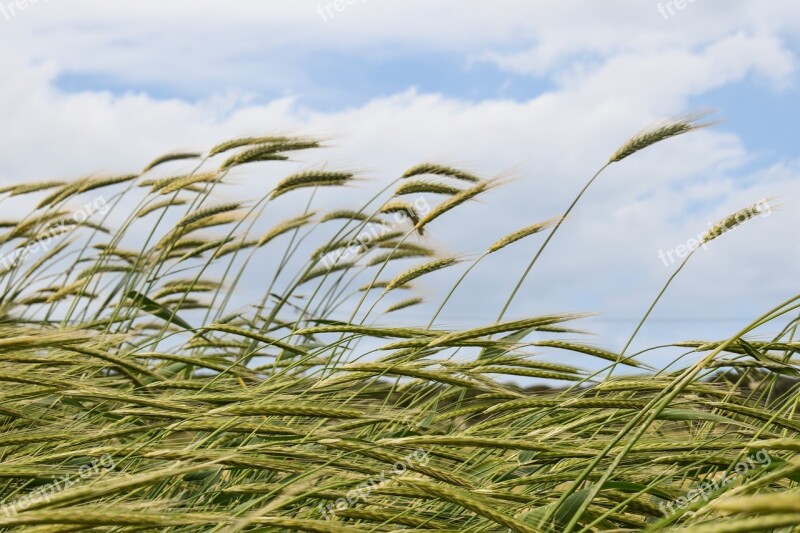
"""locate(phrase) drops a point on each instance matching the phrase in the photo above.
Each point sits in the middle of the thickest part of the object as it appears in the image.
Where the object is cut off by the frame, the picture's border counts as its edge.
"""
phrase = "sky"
(540, 93)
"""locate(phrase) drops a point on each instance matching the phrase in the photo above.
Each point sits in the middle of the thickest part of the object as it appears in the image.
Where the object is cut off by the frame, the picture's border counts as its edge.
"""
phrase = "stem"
(550, 236)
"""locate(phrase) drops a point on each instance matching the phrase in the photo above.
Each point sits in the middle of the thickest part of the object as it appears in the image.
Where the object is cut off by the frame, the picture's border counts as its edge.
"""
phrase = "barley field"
(148, 386)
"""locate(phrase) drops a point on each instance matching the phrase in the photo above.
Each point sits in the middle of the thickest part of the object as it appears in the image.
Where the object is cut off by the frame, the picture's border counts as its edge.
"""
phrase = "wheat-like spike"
(53, 252)
(311, 178)
(244, 332)
(235, 247)
(425, 187)
(61, 193)
(267, 152)
(526, 372)
(658, 132)
(204, 247)
(323, 270)
(208, 212)
(736, 219)
(398, 206)
(400, 245)
(455, 200)
(16, 190)
(158, 184)
(71, 289)
(60, 229)
(440, 170)
(127, 255)
(71, 223)
(469, 501)
(359, 244)
(424, 343)
(579, 403)
(332, 247)
(185, 287)
(146, 210)
(185, 303)
(503, 327)
(176, 183)
(189, 281)
(398, 254)
(513, 360)
(524, 232)
(285, 227)
(347, 214)
(191, 242)
(382, 285)
(26, 226)
(369, 331)
(102, 269)
(99, 183)
(381, 240)
(168, 158)
(588, 350)
(420, 270)
(219, 219)
(403, 304)
(246, 141)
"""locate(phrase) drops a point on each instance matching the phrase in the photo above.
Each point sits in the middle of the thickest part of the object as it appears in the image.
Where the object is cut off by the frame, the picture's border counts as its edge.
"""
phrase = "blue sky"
(540, 91)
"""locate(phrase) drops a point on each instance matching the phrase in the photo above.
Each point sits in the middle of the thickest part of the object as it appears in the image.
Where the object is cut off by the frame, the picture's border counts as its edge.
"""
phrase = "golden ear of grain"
(285, 227)
(397, 206)
(659, 132)
(246, 141)
(176, 183)
(234, 247)
(736, 219)
(73, 288)
(420, 270)
(99, 183)
(440, 170)
(468, 501)
(167, 158)
(268, 152)
(185, 287)
(203, 247)
(382, 285)
(219, 219)
(503, 327)
(524, 232)
(16, 190)
(347, 214)
(208, 212)
(403, 304)
(146, 210)
(456, 200)
(425, 187)
(589, 350)
(311, 178)
(393, 255)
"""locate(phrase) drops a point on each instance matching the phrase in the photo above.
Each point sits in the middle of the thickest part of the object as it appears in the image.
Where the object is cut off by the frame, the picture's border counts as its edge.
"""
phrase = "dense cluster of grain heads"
(151, 383)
